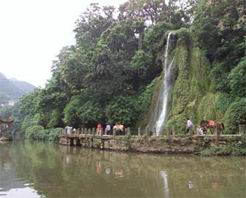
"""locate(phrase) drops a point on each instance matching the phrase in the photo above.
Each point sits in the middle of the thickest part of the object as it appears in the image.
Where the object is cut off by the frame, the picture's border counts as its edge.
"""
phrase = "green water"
(46, 170)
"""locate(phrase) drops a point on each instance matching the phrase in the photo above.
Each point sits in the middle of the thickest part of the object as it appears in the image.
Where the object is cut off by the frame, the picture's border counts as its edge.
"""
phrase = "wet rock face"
(190, 84)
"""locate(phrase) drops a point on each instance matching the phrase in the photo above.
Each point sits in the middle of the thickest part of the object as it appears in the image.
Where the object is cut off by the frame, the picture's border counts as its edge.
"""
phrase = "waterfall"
(165, 92)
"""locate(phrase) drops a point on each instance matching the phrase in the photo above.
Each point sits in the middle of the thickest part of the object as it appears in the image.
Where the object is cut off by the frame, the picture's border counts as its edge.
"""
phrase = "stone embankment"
(149, 144)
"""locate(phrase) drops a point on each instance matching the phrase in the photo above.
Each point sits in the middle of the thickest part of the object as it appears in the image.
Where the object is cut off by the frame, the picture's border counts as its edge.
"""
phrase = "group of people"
(190, 128)
(118, 128)
(205, 125)
(107, 129)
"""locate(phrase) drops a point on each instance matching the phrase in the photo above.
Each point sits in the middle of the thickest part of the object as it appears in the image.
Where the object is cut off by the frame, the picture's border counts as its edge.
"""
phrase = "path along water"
(47, 170)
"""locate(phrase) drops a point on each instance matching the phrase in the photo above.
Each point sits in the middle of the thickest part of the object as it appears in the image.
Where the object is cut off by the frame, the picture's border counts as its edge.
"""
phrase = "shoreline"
(196, 145)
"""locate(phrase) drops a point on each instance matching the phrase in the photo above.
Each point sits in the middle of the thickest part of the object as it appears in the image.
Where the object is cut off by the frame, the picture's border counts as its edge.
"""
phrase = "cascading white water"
(164, 96)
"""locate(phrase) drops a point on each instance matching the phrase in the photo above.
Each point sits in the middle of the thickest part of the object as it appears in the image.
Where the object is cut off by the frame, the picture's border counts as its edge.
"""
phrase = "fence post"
(217, 136)
(242, 128)
(168, 136)
(172, 133)
(101, 133)
(128, 131)
(93, 131)
(139, 131)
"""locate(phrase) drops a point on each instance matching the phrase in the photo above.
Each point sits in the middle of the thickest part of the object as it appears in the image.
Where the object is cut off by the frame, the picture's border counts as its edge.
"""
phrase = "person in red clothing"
(211, 123)
(99, 129)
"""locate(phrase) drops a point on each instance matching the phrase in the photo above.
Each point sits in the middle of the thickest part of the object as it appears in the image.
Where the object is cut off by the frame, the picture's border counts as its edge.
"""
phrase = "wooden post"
(242, 128)
(93, 131)
(146, 131)
(139, 131)
(155, 133)
(217, 136)
(191, 131)
(168, 136)
(92, 142)
(173, 132)
(128, 131)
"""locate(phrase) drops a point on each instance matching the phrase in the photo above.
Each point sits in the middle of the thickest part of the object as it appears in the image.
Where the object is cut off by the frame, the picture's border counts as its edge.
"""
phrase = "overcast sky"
(32, 32)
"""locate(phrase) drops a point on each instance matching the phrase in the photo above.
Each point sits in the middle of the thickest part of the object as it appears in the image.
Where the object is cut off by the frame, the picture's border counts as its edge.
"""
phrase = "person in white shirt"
(199, 131)
(68, 130)
(189, 125)
(107, 129)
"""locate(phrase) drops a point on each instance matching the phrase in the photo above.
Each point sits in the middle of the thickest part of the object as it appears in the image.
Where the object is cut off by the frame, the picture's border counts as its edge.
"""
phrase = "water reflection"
(165, 180)
(20, 192)
(60, 171)
(10, 184)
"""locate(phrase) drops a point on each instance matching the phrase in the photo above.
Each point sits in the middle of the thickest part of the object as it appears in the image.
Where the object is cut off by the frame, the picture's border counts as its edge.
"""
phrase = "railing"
(146, 131)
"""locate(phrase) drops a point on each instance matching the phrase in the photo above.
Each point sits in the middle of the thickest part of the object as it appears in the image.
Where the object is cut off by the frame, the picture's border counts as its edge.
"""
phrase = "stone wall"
(153, 144)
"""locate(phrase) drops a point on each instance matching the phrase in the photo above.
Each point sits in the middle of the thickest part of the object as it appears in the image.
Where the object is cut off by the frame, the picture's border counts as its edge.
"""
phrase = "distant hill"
(24, 86)
(11, 90)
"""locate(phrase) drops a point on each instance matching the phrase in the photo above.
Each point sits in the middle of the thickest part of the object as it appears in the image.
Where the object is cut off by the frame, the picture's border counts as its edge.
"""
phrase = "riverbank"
(201, 145)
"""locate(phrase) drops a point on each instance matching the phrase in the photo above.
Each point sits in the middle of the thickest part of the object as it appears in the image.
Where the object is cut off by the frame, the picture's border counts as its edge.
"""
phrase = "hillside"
(25, 87)
(12, 90)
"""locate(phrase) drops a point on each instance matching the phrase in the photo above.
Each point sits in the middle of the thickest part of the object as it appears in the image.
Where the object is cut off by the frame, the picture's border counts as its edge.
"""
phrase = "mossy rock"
(191, 85)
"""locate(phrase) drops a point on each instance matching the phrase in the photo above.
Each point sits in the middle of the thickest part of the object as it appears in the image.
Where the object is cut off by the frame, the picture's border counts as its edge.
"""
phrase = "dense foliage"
(108, 75)
(104, 76)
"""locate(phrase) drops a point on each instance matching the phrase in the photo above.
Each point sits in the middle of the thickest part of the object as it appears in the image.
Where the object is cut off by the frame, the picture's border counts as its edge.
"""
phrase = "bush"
(124, 110)
(237, 79)
(144, 99)
(54, 134)
(37, 132)
(153, 38)
(81, 111)
(141, 60)
(223, 102)
(55, 118)
(183, 35)
(235, 115)
(71, 109)
(33, 131)
(216, 150)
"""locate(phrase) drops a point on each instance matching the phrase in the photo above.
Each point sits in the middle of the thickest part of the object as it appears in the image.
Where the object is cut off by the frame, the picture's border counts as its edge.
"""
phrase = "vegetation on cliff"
(111, 72)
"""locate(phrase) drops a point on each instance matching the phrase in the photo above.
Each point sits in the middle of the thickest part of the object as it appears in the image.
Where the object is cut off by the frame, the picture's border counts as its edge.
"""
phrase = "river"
(39, 170)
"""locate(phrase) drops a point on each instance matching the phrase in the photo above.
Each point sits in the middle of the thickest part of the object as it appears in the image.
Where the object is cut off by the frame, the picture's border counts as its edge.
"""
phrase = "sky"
(32, 32)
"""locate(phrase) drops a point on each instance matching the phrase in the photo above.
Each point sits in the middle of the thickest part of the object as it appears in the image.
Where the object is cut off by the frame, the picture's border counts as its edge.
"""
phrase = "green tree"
(237, 79)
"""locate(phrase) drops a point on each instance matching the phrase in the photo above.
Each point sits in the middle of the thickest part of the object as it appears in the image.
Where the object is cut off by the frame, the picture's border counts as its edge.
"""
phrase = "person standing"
(108, 129)
(68, 130)
(99, 129)
(189, 125)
